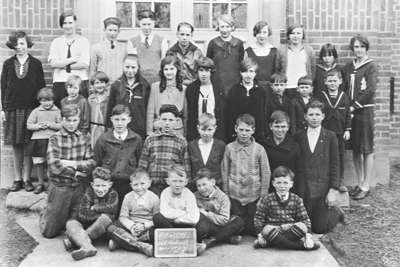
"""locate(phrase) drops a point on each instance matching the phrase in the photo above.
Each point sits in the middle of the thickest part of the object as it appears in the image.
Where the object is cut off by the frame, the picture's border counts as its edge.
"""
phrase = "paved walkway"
(50, 252)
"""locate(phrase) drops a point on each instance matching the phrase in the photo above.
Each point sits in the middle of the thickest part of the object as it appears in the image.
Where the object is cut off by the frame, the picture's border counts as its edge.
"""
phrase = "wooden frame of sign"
(175, 242)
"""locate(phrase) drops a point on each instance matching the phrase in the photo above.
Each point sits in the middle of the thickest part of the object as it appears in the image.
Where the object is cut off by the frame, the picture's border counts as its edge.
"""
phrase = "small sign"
(175, 242)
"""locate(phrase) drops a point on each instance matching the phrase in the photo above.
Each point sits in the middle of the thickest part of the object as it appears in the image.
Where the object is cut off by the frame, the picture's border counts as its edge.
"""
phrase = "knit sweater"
(216, 205)
(92, 206)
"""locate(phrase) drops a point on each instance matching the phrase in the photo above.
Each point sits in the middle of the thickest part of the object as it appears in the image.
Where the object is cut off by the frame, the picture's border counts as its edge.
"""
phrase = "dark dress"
(192, 101)
(18, 96)
(227, 57)
(319, 79)
(360, 82)
(267, 65)
(238, 103)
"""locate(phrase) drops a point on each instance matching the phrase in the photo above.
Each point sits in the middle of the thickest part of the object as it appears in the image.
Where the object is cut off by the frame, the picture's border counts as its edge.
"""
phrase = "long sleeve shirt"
(75, 146)
(245, 172)
(217, 206)
(182, 208)
(162, 150)
(92, 206)
(136, 208)
(271, 210)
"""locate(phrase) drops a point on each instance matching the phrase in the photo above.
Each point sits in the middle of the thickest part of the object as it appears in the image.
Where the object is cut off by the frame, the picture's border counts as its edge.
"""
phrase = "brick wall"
(39, 19)
(336, 21)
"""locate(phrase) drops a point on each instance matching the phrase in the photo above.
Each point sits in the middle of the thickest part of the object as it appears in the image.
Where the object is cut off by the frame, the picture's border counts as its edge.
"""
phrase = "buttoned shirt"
(313, 135)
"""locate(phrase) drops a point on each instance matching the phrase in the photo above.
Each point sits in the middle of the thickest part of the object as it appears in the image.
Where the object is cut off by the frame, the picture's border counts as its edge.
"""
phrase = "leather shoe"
(354, 191)
(28, 186)
(17, 185)
(361, 195)
(39, 189)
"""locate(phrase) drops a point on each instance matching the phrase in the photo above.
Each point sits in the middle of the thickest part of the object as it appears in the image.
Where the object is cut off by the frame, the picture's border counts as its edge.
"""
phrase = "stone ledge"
(23, 200)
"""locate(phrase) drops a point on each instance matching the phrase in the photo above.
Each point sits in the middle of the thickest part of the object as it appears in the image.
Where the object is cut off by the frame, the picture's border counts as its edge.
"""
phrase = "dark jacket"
(21, 93)
(238, 102)
(213, 162)
(287, 153)
(192, 101)
(135, 99)
(320, 169)
(337, 112)
(273, 104)
(320, 75)
(297, 110)
(120, 157)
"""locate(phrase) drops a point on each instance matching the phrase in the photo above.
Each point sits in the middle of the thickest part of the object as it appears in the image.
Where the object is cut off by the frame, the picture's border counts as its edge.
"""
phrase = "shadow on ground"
(15, 242)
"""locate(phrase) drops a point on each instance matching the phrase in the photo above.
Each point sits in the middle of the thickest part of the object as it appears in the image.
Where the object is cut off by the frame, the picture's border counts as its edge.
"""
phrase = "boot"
(80, 238)
(125, 240)
(99, 227)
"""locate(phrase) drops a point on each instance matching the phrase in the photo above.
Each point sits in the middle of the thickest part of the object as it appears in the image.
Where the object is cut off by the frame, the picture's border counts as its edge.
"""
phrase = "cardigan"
(21, 93)
(192, 100)
(217, 206)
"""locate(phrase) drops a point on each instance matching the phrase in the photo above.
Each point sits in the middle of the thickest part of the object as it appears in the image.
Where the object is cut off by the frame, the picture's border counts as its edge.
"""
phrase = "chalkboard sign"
(175, 242)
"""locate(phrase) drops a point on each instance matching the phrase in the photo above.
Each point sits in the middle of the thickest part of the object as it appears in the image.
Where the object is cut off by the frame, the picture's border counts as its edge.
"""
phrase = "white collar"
(123, 135)
(143, 37)
(201, 143)
(314, 130)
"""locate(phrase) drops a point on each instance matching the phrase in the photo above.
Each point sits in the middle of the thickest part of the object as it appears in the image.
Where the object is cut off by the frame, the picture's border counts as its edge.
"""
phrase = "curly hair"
(13, 39)
(167, 60)
(101, 173)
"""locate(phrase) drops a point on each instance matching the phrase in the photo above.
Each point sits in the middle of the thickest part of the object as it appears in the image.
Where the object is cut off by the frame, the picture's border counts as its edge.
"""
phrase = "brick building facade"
(334, 21)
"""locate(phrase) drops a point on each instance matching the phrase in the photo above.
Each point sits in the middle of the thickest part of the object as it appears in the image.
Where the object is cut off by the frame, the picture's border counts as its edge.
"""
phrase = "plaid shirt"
(271, 210)
(162, 150)
(92, 206)
(69, 146)
(245, 172)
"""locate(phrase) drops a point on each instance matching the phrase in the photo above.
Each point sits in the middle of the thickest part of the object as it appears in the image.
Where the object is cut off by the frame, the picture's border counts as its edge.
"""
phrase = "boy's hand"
(346, 135)
(69, 163)
(330, 199)
(138, 228)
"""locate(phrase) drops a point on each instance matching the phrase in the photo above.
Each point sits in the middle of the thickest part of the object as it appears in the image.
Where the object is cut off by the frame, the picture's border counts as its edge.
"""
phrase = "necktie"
(112, 44)
(146, 42)
(204, 103)
(68, 67)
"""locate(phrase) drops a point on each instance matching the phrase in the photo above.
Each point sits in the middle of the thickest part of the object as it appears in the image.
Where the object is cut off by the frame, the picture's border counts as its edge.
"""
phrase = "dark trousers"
(323, 218)
(62, 205)
(60, 91)
(341, 156)
(246, 213)
(123, 187)
(224, 232)
(202, 226)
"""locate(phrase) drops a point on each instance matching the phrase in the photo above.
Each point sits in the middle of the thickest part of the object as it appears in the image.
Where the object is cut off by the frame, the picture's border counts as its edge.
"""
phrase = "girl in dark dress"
(21, 79)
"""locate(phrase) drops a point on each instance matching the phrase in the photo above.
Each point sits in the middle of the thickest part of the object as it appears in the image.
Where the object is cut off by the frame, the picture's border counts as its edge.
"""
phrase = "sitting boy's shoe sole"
(200, 248)
(112, 245)
(67, 244)
(80, 254)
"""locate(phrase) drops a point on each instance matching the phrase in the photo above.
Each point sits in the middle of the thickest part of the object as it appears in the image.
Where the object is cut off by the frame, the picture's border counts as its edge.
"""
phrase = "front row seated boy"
(281, 219)
(97, 210)
(178, 207)
(69, 161)
(215, 205)
(136, 217)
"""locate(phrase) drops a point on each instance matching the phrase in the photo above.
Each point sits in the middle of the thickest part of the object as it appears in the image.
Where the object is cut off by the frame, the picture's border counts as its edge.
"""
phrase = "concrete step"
(26, 200)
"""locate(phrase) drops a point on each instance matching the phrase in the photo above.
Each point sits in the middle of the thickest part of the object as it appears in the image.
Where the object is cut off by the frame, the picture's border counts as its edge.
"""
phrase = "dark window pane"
(124, 12)
(239, 13)
(218, 10)
(201, 15)
(140, 6)
(163, 15)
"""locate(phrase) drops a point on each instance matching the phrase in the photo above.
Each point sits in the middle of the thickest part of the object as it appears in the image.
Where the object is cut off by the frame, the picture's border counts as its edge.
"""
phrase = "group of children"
(147, 150)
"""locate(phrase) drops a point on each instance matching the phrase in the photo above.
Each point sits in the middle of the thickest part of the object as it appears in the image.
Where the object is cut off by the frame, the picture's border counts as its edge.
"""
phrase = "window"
(206, 12)
(161, 9)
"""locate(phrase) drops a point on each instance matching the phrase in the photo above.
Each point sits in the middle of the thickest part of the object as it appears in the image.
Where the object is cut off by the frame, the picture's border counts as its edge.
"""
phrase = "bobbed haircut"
(45, 94)
(70, 110)
(101, 76)
(206, 63)
(120, 109)
(246, 119)
(282, 171)
(258, 27)
(328, 50)
(362, 39)
(13, 39)
(279, 116)
(67, 13)
(101, 173)
(291, 28)
(315, 104)
(170, 59)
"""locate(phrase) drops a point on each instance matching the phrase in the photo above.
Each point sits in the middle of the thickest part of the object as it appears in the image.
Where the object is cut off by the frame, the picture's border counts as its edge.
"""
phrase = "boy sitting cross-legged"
(245, 172)
(281, 219)
(135, 219)
(96, 211)
(178, 207)
(215, 205)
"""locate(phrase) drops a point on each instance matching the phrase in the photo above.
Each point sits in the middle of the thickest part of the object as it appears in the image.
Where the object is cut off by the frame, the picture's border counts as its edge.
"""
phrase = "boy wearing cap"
(204, 95)
(298, 104)
(161, 150)
(107, 55)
